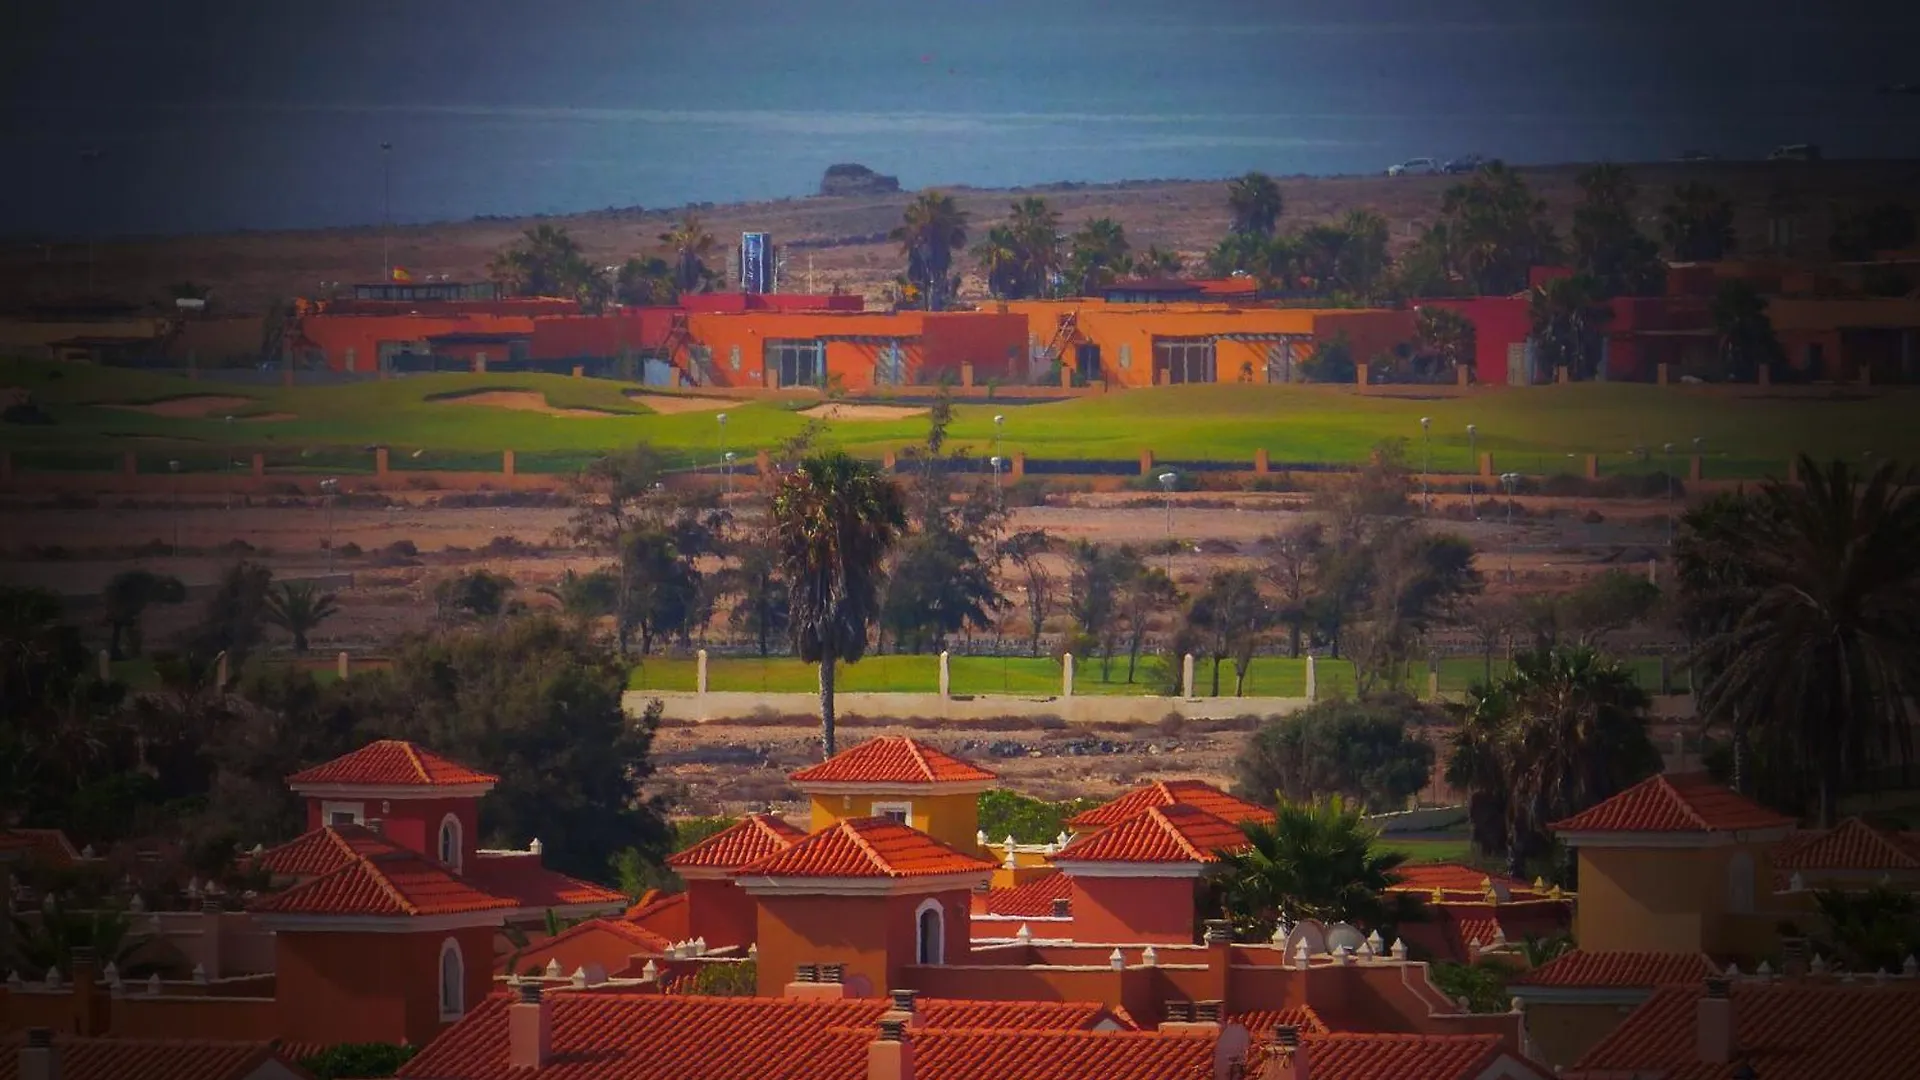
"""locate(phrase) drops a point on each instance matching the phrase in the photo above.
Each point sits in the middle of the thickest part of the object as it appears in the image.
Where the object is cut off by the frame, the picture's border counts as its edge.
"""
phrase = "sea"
(200, 116)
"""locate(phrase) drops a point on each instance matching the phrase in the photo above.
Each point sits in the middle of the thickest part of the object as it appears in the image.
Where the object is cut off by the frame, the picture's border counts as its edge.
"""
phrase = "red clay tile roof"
(1851, 845)
(1032, 900)
(619, 1036)
(891, 759)
(1229, 808)
(1581, 968)
(874, 847)
(392, 763)
(623, 939)
(666, 915)
(1349, 1056)
(1785, 1031)
(520, 877)
(147, 1059)
(1690, 802)
(1261, 1022)
(1160, 834)
(752, 838)
(50, 845)
(323, 850)
(1456, 878)
(388, 884)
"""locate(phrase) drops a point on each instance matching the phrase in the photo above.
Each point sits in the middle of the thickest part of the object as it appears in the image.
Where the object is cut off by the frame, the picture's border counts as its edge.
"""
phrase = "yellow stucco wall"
(1674, 900)
(1562, 1032)
(953, 819)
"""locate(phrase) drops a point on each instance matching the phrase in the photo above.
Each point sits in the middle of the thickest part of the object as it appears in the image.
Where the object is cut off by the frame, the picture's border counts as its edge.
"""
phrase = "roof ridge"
(385, 884)
(413, 755)
(1686, 805)
(873, 856)
(913, 747)
(1179, 837)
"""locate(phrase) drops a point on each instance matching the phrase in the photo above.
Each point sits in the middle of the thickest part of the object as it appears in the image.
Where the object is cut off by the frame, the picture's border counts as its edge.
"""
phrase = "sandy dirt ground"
(188, 408)
(667, 404)
(840, 410)
(521, 401)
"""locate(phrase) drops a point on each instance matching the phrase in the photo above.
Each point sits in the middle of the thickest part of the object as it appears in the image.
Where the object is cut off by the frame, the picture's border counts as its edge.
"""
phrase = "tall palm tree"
(1316, 861)
(1098, 250)
(299, 607)
(1564, 730)
(127, 597)
(1159, 262)
(585, 597)
(931, 229)
(1003, 262)
(546, 261)
(1255, 203)
(1744, 329)
(1363, 261)
(688, 246)
(1443, 339)
(1823, 658)
(1698, 224)
(1237, 253)
(1567, 321)
(1321, 247)
(1036, 233)
(835, 520)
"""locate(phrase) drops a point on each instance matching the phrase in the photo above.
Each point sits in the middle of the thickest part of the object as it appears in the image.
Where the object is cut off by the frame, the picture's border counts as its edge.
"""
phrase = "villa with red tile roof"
(1194, 793)
(1851, 855)
(41, 1054)
(901, 778)
(1140, 879)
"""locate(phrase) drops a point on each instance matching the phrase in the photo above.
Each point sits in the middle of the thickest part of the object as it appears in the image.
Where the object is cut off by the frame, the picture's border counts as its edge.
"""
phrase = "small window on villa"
(340, 817)
(901, 812)
(453, 976)
(450, 841)
(1740, 884)
(930, 932)
(343, 813)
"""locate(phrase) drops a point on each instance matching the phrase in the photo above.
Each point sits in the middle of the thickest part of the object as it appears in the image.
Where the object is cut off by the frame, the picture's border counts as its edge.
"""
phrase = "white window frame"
(938, 955)
(357, 809)
(453, 996)
(451, 822)
(905, 809)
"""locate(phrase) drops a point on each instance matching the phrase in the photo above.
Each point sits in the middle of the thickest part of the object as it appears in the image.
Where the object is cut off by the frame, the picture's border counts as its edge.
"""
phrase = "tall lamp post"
(1473, 470)
(1511, 480)
(999, 430)
(997, 498)
(1167, 480)
(726, 465)
(386, 210)
(330, 488)
(720, 440)
(1426, 463)
(1669, 449)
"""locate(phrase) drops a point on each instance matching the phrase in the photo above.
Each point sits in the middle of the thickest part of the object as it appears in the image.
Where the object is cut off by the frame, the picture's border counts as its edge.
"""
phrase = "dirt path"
(840, 410)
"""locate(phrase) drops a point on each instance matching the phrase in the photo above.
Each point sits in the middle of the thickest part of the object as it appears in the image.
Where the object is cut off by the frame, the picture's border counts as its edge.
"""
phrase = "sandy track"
(522, 401)
(839, 410)
(668, 404)
(189, 408)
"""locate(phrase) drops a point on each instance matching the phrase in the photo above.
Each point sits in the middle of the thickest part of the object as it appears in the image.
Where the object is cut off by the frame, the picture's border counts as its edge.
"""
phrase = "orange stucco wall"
(1562, 1031)
(1144, 910)
(359, 987)
(872, 935)
(722, 913)
(1672, 900)
(414, 823)
(587, 945)
(940, 343)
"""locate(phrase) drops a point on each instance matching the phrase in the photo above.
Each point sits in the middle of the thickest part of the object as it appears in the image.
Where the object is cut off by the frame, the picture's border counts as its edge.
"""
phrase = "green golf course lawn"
(1542, 430)
(969, 675)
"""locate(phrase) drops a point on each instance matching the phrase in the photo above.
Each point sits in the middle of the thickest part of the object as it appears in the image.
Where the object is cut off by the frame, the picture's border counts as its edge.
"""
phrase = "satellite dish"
(1344, 936)
(1309, 932)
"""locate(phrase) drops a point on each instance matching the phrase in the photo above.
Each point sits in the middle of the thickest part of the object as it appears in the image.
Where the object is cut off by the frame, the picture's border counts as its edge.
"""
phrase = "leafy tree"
(1874, 930)
(358, 1061)
(1360, 269)
(1608, 248)
(1482, 984)
(1093, 583)
(1292, 556)
(1565, 729)
(1362, 751)
(1025, 550)
(547, 261)
(1230, 615)
(1492, 231)
(1867, 232)
(1099, 249)
(1568, 318)
(836, 518)
(611, 499)
(1145, 591)
(931, 230)
(299, 607)
(589, 596)
(764, 603)
(1316, 861)
(1027, 819)
(1697, 225)
(127, 597)
(1331, 361)
(943, 578)
(1444, 340)
(644, 282)
(1605, 604)
(481, 594)
(1254, 202)
(737, 979)
(1744, 330)
(688, 246)
(1820, 652)
(690, 831)
(233, 617)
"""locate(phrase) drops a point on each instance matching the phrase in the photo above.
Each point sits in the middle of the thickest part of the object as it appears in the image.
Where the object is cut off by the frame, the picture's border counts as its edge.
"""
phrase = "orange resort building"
(886, 937)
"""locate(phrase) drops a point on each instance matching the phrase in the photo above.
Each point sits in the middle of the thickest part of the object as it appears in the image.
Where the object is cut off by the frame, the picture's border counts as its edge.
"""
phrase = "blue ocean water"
(211, 117)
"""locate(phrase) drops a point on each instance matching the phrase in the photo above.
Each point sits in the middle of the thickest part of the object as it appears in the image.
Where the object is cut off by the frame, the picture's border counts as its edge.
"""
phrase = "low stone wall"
(1424, 819)
(1079, 709)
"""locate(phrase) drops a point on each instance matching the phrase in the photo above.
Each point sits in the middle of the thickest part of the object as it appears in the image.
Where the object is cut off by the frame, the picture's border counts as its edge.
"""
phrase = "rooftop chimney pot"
(40, 1038)
(1180, 1011)
(807, 973)
(529, 1029)
(38, 1059)
(833, 973)
(1287, 1035)
(893, 1030)
(902, 1000)
(1716, 1033)
(1060, 907)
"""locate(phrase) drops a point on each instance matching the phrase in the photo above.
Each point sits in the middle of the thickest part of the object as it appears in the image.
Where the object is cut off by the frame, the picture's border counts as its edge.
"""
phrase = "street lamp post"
(726, 464)
(386, 210)
(998, 499)
(999, 430)
(1166, 485)
(1473, 469)
(1511, 480)
(1426, 463)
(720, 440)
(1669, 449)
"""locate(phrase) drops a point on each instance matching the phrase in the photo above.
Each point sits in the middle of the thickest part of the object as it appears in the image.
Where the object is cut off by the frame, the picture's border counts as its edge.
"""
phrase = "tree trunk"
(1133, 657)
(1216, 676)
(1742, 766)
(826, 704)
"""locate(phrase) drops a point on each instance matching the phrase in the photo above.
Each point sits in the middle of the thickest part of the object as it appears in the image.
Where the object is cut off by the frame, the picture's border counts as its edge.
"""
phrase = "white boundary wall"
(1078, 709)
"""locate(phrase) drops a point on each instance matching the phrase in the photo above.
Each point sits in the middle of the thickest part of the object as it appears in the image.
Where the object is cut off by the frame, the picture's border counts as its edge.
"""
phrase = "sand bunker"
(189, 408)
(678, 403)
(523, 400)
(837, 410)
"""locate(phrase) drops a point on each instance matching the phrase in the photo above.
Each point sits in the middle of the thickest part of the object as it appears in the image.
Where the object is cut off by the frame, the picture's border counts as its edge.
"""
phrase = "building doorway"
(1178, 360)
(798, 362)
(1086, 363)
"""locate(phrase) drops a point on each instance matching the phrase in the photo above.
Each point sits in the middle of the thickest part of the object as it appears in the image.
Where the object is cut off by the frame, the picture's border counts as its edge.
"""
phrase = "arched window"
(1740, 883)
(450, 841)
(453, 978)
(930, 933)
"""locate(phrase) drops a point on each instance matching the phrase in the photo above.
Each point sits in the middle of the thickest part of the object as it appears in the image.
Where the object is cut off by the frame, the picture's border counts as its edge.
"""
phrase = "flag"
(400, 274)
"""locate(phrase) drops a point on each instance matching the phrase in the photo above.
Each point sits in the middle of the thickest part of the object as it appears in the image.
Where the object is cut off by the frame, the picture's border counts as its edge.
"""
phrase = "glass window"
(450, 841)
(453, 973)
(1183, 360)
(931, 933)
(798, 362)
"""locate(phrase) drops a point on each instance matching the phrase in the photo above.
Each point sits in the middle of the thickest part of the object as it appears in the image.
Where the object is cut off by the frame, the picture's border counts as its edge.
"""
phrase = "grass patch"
(1452, 849)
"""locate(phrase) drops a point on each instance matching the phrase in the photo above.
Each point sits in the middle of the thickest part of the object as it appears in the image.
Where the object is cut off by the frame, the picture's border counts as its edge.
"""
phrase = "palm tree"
(1002, 261)
(1745, 331)
(648, 281)
(1823, 655)
(1159, 262)
(126, 598)
(547, 261)
(931, 229)
(35, 945)
(1036, 235)
(836, 518)
(1698, 224)
(1237, 253)
(298, 607)
(1316, 861)
(1255, 203)
(1443, 339)
(585, 597)
(1320, 252)
(1566, 325)
(688, 246)
(1098, 250)
(1363, 261)
(1564, 730)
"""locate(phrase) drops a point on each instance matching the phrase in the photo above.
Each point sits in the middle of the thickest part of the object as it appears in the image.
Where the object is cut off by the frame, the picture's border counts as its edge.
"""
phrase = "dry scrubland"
(845, 236)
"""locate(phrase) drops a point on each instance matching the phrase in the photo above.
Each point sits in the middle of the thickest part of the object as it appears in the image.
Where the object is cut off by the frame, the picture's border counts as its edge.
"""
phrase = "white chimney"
(1716, 1038)
(529, 1029)
(890, 1057)
(39, 1058)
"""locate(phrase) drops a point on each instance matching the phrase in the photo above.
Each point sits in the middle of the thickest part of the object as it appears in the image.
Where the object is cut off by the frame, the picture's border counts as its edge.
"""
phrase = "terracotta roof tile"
(1229, 808)
(752, 838)
(388, 884)
(1260, 1023)
(874, 847)
(148, 1059)
(1347, 1056)
(1851, 845)
(1690, 802)
(1785, 1031)
(1581, 968)
(323, 850)
(892, 759)
(1160, 834)
(619, 1036)
(619, 938)
(50, 845)
(1456, 878)
(1032, 900)
(519, 877)
(391, 763)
